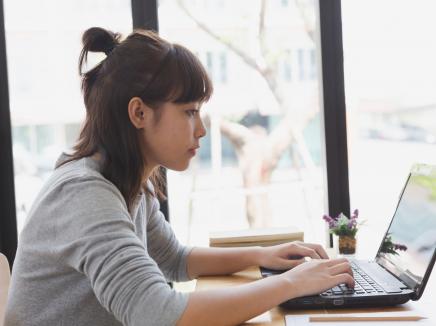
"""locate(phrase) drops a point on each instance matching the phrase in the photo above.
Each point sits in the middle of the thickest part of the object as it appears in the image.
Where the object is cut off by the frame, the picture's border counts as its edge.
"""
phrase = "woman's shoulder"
(82, 177)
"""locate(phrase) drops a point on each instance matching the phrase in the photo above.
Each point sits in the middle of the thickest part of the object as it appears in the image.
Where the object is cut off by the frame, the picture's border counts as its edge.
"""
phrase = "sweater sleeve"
(100, 242)
(163, 245)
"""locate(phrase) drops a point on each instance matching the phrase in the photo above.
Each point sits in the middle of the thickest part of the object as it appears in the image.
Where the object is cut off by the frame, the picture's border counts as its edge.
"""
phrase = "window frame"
(8, 226)
(334, 110)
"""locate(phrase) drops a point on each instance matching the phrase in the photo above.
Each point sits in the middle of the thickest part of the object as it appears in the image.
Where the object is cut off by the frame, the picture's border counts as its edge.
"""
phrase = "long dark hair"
(142, 65)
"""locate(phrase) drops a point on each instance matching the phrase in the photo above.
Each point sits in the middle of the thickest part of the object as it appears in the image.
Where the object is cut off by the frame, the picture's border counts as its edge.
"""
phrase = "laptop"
(404, 259)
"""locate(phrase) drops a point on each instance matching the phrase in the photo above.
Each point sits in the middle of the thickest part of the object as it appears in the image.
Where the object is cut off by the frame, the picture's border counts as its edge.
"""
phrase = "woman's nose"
(200, 130)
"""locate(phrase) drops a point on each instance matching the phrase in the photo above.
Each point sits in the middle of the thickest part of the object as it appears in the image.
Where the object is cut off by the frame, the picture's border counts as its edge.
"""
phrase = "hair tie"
(110, 48)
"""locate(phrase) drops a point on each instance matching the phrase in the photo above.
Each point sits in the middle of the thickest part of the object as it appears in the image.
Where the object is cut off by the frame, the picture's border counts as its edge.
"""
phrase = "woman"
(96, 250)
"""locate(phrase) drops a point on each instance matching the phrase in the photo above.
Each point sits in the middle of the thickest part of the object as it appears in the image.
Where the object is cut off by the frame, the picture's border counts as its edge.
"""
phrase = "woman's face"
(172, 136)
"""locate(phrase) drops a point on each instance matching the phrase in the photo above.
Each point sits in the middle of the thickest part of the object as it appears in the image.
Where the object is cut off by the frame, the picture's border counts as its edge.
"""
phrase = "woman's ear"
(138, 112)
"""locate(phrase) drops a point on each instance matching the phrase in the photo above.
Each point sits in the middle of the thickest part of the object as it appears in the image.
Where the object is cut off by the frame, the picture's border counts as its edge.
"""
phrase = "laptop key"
(337, 290)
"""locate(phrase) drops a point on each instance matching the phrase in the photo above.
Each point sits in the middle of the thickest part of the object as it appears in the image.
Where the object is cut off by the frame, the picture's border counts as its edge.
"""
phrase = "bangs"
(183, 78)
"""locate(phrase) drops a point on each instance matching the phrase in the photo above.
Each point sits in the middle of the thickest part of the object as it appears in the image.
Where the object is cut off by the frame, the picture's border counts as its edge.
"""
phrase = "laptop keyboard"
(363, 285)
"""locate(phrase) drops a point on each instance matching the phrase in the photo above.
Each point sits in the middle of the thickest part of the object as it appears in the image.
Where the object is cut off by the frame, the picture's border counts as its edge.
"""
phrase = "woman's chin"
(178, 167)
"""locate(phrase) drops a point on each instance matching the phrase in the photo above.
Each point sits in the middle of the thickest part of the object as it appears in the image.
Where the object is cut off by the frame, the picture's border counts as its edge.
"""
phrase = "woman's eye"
(192, 113)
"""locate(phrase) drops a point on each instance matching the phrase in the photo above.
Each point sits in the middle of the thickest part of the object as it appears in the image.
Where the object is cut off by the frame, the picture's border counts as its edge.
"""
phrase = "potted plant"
(345, 228)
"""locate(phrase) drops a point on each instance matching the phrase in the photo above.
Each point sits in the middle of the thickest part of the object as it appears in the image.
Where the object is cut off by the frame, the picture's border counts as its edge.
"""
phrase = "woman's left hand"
(289, 255)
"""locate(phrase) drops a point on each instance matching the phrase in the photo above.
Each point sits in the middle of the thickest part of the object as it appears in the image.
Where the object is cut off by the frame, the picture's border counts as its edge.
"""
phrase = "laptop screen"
(409, 244)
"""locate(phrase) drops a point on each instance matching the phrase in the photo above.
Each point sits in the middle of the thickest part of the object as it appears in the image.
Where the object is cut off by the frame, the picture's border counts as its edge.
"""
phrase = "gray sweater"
(83, 259)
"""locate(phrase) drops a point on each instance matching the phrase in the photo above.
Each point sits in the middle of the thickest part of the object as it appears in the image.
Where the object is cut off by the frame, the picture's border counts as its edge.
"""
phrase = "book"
(255, 237)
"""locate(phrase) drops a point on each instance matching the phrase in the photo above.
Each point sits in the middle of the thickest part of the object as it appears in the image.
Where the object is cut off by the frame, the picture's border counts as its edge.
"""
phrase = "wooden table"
(427, 303)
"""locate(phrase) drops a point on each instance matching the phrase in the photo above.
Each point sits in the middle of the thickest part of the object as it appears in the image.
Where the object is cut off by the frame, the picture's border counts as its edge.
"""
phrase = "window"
(301, 64)
(209, 64)
(43, 43)
(312, 60)
(390, 75)
(260, 164)
(223, 67)
(287, 66)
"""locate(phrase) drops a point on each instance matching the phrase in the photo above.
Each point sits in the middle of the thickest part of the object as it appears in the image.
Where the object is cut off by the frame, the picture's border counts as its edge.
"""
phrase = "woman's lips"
(193, 151)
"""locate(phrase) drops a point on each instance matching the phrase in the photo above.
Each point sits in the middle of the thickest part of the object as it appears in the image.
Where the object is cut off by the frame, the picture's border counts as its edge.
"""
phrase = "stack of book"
(255, 237)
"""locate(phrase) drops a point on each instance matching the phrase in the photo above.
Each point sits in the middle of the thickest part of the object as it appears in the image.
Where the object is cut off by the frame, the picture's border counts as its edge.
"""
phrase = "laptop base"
(318, 302)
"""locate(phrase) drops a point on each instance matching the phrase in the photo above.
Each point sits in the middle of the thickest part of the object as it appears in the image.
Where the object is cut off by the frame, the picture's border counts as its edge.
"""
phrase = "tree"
(257, 150)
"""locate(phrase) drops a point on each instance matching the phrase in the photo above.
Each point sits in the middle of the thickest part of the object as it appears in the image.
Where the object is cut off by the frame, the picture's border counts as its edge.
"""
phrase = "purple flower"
(352, 223)
(343, 225)
(355, 214)
(327, 218)
(330, 221)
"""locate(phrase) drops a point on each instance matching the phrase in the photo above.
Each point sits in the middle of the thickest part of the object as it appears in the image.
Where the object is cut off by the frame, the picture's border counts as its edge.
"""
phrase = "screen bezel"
(418, 288)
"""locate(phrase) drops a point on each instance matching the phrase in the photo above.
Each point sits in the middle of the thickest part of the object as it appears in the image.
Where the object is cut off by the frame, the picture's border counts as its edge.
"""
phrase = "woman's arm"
(234, 305)
(162, 244)
(221, 261)
(97, 238)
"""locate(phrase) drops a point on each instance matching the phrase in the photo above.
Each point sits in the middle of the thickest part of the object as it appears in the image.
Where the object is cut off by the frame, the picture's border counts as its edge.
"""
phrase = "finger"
(344, 278)
(288, 264)
(306, 252)
(332, 262)
(319, 249)
(341, 268)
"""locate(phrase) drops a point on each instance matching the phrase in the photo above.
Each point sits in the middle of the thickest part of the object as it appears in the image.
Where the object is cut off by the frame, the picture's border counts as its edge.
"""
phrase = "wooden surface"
(425, 304)
(4, 285)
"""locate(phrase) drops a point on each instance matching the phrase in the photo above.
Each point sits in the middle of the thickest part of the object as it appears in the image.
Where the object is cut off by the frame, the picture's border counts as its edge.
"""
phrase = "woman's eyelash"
(192, 112)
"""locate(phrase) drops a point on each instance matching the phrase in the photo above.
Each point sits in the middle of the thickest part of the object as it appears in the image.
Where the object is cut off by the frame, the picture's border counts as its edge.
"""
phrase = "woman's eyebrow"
(192, 106)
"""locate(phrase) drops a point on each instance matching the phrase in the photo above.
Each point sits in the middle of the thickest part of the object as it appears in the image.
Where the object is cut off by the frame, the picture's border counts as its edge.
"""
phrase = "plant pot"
(347, 245)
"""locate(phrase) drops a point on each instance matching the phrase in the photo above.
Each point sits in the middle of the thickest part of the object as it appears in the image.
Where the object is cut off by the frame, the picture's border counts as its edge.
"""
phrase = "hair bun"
(97, 39)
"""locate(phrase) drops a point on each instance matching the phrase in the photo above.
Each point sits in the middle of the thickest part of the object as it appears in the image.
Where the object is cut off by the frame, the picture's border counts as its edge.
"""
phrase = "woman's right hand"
(318, 275)
(236, 304)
